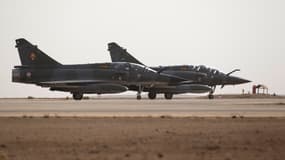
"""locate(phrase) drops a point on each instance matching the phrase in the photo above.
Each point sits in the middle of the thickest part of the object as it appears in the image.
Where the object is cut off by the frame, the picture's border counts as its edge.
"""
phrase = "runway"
(120, 107)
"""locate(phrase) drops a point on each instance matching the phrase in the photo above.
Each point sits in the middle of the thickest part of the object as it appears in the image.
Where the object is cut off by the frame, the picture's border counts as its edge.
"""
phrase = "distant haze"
(223, 34)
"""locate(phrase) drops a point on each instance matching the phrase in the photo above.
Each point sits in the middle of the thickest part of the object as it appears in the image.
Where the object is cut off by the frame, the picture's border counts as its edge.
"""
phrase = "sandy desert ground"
(115, 129)
(142, 138)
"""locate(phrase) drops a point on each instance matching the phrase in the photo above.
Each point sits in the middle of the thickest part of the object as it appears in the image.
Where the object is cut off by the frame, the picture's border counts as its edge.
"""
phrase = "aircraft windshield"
(204, 69)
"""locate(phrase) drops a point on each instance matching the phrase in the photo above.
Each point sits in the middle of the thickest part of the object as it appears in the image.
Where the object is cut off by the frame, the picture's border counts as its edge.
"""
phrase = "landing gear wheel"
(210, 96)
(168, 95)
(77, 96)
(139, 97)
(151, 95)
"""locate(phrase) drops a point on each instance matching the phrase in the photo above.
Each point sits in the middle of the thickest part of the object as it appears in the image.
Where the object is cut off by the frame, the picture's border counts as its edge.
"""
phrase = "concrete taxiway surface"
(132, 107)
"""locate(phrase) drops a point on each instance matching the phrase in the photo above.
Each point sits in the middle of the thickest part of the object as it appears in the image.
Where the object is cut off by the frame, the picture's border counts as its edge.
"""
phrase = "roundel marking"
(29, 74)
(33, 56)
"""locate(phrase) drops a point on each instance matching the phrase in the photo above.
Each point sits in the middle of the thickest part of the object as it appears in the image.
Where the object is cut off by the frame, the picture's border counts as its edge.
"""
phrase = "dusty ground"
(142, 138)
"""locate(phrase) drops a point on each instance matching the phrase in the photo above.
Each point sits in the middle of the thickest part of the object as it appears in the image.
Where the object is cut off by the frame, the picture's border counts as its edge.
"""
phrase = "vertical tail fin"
(119, 54)
(30, 55)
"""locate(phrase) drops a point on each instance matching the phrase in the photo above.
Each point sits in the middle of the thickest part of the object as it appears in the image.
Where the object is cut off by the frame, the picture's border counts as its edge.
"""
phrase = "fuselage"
(119, 72)
(201, 75)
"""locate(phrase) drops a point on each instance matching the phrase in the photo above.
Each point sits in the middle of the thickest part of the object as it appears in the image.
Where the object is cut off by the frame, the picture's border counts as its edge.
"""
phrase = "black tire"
(151, 95)
(210, 96)
(77, 96)
(168, 95)
(139, 97)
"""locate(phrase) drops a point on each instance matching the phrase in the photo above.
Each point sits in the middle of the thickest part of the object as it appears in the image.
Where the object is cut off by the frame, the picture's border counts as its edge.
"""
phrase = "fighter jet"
(194, 74)
(101, 78)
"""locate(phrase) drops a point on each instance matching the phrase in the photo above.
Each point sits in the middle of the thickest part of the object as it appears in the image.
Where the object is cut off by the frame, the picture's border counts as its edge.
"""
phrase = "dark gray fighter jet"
(194, 74)
(40, 69)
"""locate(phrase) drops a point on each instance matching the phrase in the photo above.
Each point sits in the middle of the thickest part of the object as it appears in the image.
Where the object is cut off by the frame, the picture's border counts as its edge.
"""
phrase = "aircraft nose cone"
(237, 80)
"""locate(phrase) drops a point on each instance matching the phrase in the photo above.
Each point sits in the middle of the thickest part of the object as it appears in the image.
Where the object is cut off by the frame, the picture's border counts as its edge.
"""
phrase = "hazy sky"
(223, 34)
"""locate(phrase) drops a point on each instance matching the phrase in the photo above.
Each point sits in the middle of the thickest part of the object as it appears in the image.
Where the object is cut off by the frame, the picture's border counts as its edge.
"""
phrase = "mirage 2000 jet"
(194, 74)
(40, 69)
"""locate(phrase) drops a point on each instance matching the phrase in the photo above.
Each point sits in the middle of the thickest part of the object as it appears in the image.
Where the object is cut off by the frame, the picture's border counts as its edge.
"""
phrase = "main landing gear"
(139, 96)
(168, 95)
(211, 96)
(77, 96)
(151, 95)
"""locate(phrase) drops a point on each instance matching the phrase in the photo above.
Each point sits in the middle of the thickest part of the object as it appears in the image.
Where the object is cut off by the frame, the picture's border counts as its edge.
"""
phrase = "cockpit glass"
(198, 68)
(202, 67)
